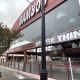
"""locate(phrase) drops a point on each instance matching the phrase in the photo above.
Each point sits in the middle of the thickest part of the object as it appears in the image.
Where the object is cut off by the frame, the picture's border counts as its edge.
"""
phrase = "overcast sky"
(10, 10)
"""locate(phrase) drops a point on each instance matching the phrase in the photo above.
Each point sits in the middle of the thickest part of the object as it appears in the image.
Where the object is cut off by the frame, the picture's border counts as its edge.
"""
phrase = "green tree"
(7, 37)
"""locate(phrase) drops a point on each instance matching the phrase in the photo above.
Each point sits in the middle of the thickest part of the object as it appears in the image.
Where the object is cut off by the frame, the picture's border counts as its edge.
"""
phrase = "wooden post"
(24, 62)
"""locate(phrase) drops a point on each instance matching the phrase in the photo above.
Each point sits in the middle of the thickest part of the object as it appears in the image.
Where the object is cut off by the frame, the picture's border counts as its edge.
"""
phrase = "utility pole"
(43, 73)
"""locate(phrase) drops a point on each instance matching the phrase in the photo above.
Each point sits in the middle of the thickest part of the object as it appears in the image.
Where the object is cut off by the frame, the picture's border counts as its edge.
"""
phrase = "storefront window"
(65, 17)
(74, 45)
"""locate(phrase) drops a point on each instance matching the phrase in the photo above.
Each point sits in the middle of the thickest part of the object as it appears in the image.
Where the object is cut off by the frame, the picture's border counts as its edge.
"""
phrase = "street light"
(43, 73)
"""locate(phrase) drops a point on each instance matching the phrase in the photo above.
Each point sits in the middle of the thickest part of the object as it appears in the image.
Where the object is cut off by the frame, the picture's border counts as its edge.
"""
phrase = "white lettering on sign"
(53, 40)
(59, 38)
(48, 41)
(62, 38)
(76, 34)
(66, 36)
(35, 8)
(38, 6)
(71, 35)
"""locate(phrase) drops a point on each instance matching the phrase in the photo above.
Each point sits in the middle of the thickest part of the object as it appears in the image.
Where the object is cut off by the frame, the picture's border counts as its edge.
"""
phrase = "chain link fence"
(59, 68)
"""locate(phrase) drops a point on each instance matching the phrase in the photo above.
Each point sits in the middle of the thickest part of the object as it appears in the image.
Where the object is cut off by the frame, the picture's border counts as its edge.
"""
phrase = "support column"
(6, 62)
(1, 61)
(26, 57)
(18, 64)
(14, 64)
(24, 62)
(36, 54)
(11, 60)
(6, 57)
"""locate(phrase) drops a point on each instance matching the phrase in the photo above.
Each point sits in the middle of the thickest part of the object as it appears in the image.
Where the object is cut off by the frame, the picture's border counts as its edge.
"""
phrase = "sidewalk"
(8, 74)
(6, 78)
(30, 75)
(3, 78)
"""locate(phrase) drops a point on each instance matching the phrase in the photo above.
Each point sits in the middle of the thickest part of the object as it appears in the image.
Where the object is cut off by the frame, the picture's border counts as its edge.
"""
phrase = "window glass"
(65, 17)
(79, 2)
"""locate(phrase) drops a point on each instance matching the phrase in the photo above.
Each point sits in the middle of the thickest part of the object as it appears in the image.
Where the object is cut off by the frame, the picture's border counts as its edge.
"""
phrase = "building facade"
(62, 19)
